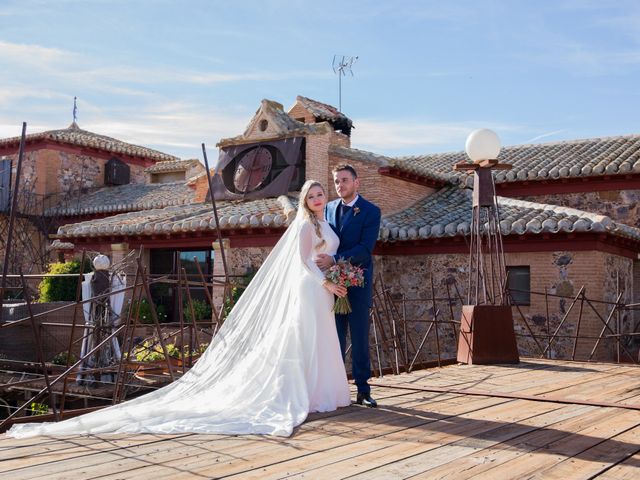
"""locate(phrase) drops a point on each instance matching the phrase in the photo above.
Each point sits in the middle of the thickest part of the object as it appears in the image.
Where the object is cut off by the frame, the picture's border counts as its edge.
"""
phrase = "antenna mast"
(341, 65)
(75, 109)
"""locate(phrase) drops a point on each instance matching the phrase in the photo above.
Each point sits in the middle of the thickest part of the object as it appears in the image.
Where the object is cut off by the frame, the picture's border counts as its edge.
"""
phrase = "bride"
(276, 358)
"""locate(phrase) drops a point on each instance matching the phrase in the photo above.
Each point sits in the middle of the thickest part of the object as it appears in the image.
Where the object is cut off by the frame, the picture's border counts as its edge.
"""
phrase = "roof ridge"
(594, 217)
(117, 146)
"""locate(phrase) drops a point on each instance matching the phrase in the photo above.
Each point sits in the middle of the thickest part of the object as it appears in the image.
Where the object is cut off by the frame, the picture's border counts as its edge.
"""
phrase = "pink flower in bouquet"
(348, 275)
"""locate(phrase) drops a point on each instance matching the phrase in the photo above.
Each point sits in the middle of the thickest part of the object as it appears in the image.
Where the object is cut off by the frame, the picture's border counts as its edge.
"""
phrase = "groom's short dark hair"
(345, 166)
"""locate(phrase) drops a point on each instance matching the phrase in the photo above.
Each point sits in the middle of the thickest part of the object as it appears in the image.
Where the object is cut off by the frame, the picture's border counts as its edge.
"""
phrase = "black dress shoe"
(366, 400)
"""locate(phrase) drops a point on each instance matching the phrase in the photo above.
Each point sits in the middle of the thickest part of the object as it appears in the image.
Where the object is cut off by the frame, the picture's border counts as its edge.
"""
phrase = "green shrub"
(151, 351)
(236, 293)
(61, 359)
(201, 310)
(61, 289)
(144, 311)
(38, 408)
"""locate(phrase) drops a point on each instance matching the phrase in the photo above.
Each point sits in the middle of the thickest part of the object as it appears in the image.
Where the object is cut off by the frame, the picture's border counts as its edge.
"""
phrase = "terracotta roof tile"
(172, 166)
(126, 198)
(438, 175)
(270, 212)
(572, 158)
(323, 111)
(74, 135)
(447, 213)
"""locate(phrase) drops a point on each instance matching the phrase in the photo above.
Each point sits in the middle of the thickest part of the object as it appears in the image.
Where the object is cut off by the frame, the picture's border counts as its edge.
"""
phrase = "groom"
(356, 222)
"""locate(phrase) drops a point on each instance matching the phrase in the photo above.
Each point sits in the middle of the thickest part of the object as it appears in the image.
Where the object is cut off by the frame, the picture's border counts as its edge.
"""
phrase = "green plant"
(236, 293)
(199, 350)
(60, 289)
(151, 351)
(201, 310)
(142, 309)
(61, 359)
(39, 408)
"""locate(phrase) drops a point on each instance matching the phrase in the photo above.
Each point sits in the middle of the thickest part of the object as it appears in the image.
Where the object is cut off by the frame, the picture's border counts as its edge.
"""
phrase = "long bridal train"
(275, 359)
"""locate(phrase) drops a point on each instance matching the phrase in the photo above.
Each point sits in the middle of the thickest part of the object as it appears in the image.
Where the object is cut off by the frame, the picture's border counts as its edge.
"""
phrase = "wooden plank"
(555, 451)
(121, 455)
(429, 434)
(596, 459)
(354, 457)
(627, 470)
(421, 465)
(347, 431)
(555, 425)
(78, 448)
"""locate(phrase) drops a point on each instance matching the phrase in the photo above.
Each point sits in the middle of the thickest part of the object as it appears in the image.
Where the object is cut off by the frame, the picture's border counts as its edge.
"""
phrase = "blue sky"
(173, 74)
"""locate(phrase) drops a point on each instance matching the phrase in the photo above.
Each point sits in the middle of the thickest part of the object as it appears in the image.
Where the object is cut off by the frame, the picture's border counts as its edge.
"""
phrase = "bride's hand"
(337, 290)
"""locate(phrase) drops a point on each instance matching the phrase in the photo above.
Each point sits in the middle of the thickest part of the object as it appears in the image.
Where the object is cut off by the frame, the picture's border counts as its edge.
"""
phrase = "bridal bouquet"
(348, 275)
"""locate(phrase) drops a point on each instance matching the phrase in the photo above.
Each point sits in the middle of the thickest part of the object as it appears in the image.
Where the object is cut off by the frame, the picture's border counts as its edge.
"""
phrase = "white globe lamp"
(101, 262)
(482, 144)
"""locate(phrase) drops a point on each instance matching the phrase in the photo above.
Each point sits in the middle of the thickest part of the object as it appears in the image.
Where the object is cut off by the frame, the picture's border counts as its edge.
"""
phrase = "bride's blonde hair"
(306, 212)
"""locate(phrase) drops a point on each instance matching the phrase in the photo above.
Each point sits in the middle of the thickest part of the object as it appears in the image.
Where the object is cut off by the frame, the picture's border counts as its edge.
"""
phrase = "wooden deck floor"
(539, 419)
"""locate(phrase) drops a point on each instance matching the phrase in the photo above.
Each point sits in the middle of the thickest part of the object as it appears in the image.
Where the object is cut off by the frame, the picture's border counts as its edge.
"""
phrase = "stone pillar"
(218, 270)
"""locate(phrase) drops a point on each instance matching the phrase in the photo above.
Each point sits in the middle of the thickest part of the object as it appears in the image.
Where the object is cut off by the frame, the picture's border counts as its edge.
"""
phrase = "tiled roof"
(441, 175)
(58, 245)
(126, 198)
(283, 123)
(270, 212)
(573, 158)
(323, 111)
(447, 213)
(74, 135)
(172, 166)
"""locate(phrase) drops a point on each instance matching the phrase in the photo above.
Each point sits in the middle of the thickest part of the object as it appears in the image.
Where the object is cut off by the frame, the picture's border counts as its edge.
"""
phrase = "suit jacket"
(358, 233)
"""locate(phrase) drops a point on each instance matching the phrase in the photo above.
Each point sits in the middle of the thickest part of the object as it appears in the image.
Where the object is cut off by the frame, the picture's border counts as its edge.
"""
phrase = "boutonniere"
(356, 211)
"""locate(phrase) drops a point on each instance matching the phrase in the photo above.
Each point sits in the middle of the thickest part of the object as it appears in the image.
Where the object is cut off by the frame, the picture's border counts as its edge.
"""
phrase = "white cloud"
(33, 54)
(409, 136)
(545, 135)
(172, 127)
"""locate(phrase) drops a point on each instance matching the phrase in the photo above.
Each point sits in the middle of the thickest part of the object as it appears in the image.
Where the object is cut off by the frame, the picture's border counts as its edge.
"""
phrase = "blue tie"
(344, 209)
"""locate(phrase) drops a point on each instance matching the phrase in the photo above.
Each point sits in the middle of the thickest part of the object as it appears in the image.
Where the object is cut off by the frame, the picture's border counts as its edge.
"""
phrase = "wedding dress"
(275, 359)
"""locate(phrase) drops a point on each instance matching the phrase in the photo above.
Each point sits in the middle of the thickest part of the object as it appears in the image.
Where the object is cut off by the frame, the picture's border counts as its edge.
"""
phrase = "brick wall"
(298, 112)
(390, 194)
(317, 159)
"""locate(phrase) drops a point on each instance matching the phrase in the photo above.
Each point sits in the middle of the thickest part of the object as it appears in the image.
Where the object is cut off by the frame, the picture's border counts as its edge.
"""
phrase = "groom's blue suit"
(358, 231)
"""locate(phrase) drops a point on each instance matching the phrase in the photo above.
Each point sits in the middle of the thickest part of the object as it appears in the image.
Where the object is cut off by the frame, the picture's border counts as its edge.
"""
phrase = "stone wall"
(559, 273)
(50, 172)
(621, 205)
(18, 341)
(28, 250)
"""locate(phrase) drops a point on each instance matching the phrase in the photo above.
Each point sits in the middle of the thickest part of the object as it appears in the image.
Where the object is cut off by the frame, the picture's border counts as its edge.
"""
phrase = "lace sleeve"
(305, 246)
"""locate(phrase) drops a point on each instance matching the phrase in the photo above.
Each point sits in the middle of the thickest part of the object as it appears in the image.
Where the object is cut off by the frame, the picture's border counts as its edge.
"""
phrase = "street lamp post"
(486, 332)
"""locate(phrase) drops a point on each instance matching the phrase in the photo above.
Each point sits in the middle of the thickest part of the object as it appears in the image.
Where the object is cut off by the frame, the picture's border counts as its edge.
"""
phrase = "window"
(519, 284)
(165, 261)
(5, 184)
(116, 172)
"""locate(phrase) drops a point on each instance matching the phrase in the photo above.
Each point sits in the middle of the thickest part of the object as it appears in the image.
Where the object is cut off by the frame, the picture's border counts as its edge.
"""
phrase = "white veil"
(251, 379)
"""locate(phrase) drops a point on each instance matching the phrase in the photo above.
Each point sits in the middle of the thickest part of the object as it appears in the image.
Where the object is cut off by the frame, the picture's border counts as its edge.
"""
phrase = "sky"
(171, 75)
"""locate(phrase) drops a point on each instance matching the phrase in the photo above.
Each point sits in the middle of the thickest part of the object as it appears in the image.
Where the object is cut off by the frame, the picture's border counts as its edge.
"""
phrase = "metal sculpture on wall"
(259, 170)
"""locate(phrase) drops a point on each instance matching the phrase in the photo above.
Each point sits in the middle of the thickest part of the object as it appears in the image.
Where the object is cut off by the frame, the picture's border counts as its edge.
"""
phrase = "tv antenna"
(341, 65)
